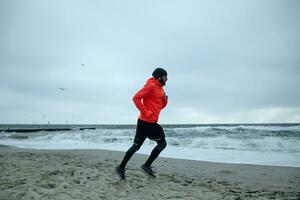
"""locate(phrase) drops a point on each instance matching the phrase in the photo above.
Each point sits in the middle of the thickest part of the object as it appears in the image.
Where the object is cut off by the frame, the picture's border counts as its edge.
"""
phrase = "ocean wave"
(235, 143)
(240, 137)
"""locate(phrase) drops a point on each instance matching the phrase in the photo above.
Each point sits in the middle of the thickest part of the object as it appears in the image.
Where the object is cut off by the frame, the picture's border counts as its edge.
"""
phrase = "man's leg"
(120, 169)
(139, 139)
(161, 144)
(134, 148)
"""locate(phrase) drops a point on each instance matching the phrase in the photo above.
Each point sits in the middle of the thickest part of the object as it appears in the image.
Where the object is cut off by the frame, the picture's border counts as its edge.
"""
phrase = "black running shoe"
(148, 171)
(120, 172)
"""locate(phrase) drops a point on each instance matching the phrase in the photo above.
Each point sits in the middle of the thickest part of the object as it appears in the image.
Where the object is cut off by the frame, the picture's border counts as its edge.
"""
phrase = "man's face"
(163, 79)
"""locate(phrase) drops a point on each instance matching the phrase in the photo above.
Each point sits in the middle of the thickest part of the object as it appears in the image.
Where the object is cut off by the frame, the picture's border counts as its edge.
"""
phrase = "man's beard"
(162, 82)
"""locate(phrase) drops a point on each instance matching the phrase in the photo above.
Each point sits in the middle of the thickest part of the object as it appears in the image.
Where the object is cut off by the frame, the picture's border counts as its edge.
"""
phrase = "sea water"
(264, 144)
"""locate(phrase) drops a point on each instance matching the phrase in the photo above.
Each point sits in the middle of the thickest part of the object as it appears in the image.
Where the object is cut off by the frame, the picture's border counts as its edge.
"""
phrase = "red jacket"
(150, 100)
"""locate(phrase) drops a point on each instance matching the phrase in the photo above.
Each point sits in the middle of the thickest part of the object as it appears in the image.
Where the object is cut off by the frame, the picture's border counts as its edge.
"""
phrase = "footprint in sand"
(76, 181)
(48, 185)
(227, 172)
(52, 173)
(264, 174)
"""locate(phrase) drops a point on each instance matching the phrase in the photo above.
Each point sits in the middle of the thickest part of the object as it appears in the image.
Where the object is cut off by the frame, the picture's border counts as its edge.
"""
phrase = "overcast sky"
(228, 61)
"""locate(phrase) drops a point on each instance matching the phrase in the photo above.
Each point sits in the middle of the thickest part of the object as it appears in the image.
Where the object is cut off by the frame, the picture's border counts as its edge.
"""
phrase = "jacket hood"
(152, 80)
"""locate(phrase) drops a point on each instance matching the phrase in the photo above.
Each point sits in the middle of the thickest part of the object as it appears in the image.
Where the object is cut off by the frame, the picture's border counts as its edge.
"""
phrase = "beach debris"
(18, 136)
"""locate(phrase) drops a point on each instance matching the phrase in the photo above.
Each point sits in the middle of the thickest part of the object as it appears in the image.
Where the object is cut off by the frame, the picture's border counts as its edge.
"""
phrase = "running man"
(149, 100)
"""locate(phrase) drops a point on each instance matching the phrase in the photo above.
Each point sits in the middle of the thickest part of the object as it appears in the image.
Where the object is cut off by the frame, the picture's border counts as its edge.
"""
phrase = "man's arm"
(137, 99)
(165, 100)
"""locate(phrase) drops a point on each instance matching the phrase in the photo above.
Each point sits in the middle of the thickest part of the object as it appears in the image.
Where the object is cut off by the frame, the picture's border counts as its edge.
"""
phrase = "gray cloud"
(226, 60)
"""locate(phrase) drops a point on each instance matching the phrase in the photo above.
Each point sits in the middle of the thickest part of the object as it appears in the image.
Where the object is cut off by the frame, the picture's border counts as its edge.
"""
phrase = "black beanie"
(158, 72)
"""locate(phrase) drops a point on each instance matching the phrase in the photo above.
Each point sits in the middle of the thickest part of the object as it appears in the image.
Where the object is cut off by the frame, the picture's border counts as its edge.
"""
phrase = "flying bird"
(62, 89)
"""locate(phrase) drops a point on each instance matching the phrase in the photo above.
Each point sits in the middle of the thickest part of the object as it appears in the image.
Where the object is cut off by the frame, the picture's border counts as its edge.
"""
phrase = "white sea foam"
(266, 145)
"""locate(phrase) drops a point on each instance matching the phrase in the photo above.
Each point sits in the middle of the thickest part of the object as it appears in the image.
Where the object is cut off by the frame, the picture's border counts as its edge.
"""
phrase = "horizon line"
(248, 123)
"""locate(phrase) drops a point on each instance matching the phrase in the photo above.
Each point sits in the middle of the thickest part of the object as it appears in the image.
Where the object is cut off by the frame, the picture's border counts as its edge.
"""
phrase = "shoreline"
(30, 173)
(145, 154)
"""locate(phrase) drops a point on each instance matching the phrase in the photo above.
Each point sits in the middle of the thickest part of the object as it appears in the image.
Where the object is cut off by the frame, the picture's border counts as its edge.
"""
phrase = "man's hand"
(166, 96)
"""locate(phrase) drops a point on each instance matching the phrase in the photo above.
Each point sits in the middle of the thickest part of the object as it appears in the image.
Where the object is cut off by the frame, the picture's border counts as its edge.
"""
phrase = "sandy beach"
(89, 174)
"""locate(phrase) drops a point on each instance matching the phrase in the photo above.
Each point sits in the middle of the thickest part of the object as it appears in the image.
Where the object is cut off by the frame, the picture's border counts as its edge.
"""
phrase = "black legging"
(161, 144)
